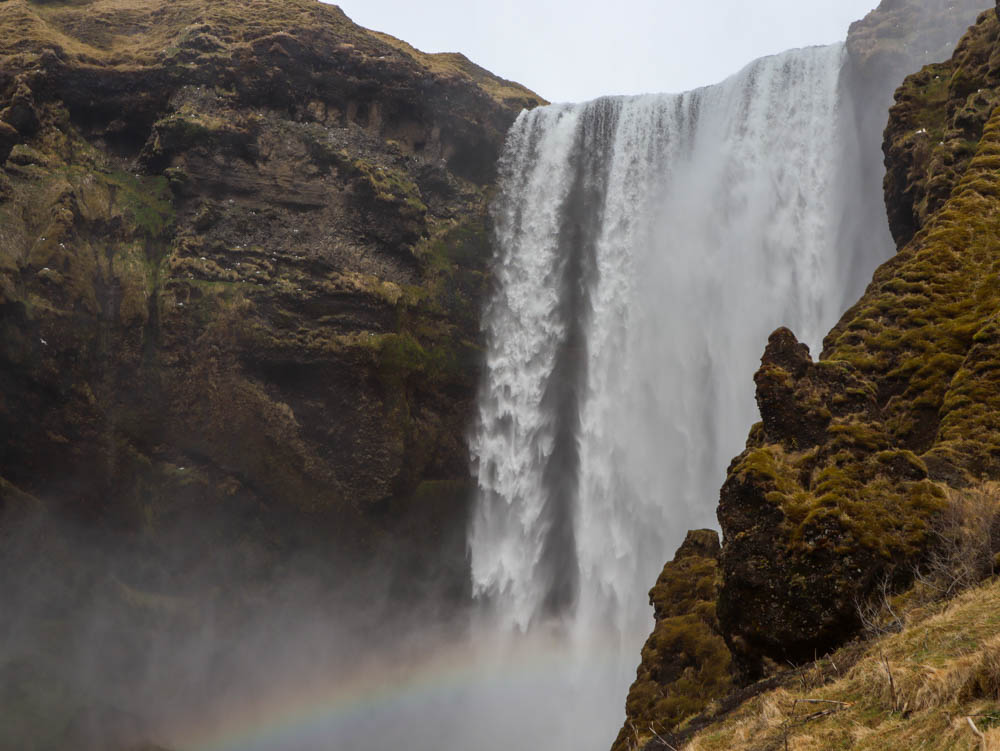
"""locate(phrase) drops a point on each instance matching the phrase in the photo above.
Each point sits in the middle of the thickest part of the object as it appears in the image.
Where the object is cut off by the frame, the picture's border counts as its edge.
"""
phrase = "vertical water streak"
(524, 332)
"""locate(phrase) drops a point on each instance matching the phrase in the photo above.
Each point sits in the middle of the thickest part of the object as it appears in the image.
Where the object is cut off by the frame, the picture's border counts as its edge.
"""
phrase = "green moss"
(400, 357)
(146, 199)
(392, 186)
(685, 662)
(764, 467)
(467, 244)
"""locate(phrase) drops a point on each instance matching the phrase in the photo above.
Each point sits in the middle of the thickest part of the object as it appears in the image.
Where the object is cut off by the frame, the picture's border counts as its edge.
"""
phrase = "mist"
(108, 644)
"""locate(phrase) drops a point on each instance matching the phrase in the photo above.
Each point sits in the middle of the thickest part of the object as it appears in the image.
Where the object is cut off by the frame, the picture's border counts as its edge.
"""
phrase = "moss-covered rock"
(935, 126)
(822, 504)
(685, 662)
(842, 483)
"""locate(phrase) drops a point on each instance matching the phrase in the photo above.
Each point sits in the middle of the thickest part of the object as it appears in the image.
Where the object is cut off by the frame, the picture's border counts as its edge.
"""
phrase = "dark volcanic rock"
(685, 662)
(793, 566)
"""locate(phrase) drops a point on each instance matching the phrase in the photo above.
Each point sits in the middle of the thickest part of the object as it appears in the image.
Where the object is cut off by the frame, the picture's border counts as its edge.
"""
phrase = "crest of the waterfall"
(646, 248)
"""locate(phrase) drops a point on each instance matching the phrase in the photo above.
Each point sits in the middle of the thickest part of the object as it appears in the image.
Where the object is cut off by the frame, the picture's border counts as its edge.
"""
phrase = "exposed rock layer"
(242, 252)
(243, 247)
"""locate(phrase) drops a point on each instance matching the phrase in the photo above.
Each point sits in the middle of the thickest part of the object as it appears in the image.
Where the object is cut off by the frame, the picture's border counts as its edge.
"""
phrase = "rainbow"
(306, 715)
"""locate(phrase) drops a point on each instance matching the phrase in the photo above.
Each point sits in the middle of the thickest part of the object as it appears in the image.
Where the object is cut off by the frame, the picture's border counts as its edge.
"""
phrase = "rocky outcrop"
(685, 662)
(823, 503)
(242, 253)
(843, 480)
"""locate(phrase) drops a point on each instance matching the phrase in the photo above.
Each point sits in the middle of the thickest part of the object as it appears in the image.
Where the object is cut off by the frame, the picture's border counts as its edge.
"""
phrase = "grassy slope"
(945, 667)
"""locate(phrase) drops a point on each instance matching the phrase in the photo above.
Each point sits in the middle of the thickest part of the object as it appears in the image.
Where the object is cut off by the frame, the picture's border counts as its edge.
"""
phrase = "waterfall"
(646, 248)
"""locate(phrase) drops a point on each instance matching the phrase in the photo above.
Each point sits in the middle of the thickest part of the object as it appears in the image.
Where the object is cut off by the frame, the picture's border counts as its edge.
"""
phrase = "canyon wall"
(243, 251)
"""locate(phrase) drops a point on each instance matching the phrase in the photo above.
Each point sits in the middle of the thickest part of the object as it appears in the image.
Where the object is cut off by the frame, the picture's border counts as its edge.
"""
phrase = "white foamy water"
(647, 246)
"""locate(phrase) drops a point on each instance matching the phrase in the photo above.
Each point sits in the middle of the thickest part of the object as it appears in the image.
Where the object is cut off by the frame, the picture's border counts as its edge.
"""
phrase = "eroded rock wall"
(243, 248)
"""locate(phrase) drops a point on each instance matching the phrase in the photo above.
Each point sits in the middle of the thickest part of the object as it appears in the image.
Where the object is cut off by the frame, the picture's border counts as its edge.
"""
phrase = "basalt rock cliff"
(242, 252)
(843, 484)
(243, 249)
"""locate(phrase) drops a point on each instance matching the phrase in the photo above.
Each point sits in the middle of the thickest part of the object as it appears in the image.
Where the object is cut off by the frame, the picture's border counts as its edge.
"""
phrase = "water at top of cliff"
(647, 246)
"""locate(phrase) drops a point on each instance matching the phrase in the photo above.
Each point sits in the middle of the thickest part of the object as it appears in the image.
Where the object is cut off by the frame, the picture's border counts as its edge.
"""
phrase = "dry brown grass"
(965, 551)
(944, 668)
(967, 540)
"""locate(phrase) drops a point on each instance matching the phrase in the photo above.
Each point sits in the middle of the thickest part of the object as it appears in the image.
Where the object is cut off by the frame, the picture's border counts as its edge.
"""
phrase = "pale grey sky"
(572, 50)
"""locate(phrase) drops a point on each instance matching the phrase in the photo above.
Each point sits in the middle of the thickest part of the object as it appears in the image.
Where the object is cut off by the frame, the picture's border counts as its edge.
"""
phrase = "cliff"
(891, 42)
(850, 486)
(243, 248)
(242, 253)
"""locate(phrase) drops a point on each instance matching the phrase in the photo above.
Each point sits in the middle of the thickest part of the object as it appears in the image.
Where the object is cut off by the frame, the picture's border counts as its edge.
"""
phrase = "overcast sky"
(572, 50)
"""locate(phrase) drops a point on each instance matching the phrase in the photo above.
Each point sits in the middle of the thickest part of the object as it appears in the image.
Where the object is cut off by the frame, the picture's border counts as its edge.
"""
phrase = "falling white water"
(647, 246)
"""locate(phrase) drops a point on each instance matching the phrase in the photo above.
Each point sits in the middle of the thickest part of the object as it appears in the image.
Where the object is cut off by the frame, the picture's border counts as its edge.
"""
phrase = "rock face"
(242, 250)
(243, 247)
(685, 662)
(900, 36)
(823, 503)
(844, 477)
(936, 124)
(891, 42)
(842, 480)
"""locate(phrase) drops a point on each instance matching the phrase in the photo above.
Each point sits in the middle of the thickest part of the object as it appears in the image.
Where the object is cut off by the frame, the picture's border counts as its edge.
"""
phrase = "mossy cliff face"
(685, 662)
(841, 483)
(936, 124)
(891, 42)
(843, 479)
(242, 252)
